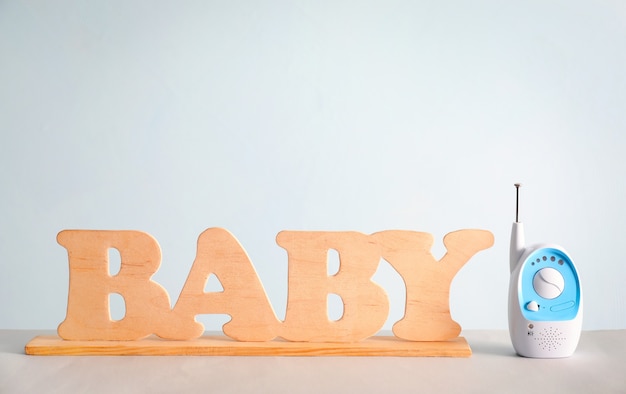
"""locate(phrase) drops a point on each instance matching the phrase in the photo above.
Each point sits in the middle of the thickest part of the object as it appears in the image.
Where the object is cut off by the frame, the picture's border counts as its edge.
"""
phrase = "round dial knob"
(548, 283)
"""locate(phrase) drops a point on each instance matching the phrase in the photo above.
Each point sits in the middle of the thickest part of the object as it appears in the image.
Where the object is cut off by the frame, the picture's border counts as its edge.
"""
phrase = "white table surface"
(598, 366)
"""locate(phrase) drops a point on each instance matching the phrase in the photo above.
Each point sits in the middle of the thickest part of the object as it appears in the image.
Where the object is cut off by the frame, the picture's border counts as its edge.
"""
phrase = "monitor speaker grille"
(550, 339)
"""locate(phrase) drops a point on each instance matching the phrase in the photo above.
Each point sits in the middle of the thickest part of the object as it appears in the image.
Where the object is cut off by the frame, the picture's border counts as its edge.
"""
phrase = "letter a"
(243, 298)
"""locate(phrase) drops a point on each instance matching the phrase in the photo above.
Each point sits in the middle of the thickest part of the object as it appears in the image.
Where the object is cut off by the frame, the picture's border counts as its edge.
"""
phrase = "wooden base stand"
(224, 346)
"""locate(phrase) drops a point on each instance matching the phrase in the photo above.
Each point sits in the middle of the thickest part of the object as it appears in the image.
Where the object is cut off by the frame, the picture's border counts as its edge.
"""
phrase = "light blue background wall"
(259, 116)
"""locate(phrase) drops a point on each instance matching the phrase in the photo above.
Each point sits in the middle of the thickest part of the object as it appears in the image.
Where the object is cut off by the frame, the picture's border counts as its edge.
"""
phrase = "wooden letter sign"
(151, 327)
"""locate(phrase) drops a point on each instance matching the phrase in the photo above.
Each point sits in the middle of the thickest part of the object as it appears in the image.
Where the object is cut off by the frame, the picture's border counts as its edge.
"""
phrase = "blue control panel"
(550, 288)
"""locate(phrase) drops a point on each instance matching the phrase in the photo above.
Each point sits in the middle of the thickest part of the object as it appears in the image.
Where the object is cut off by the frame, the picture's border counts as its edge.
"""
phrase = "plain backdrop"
(171, 117)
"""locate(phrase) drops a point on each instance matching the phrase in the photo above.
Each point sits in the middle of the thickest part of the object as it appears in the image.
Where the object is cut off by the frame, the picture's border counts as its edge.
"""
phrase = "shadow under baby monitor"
(545, 298)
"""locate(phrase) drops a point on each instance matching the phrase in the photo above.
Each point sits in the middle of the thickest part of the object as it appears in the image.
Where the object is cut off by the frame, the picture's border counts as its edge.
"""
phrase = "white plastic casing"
(543, 327)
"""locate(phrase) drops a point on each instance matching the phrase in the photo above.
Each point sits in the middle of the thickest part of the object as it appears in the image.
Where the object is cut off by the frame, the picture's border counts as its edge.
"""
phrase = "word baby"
(366, 306)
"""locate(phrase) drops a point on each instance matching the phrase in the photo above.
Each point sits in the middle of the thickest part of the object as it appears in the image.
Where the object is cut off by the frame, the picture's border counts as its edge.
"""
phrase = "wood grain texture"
(427, 311)
(147, 302)
(150, 327)
(224, 346)
(366, 305)
(243, 297)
